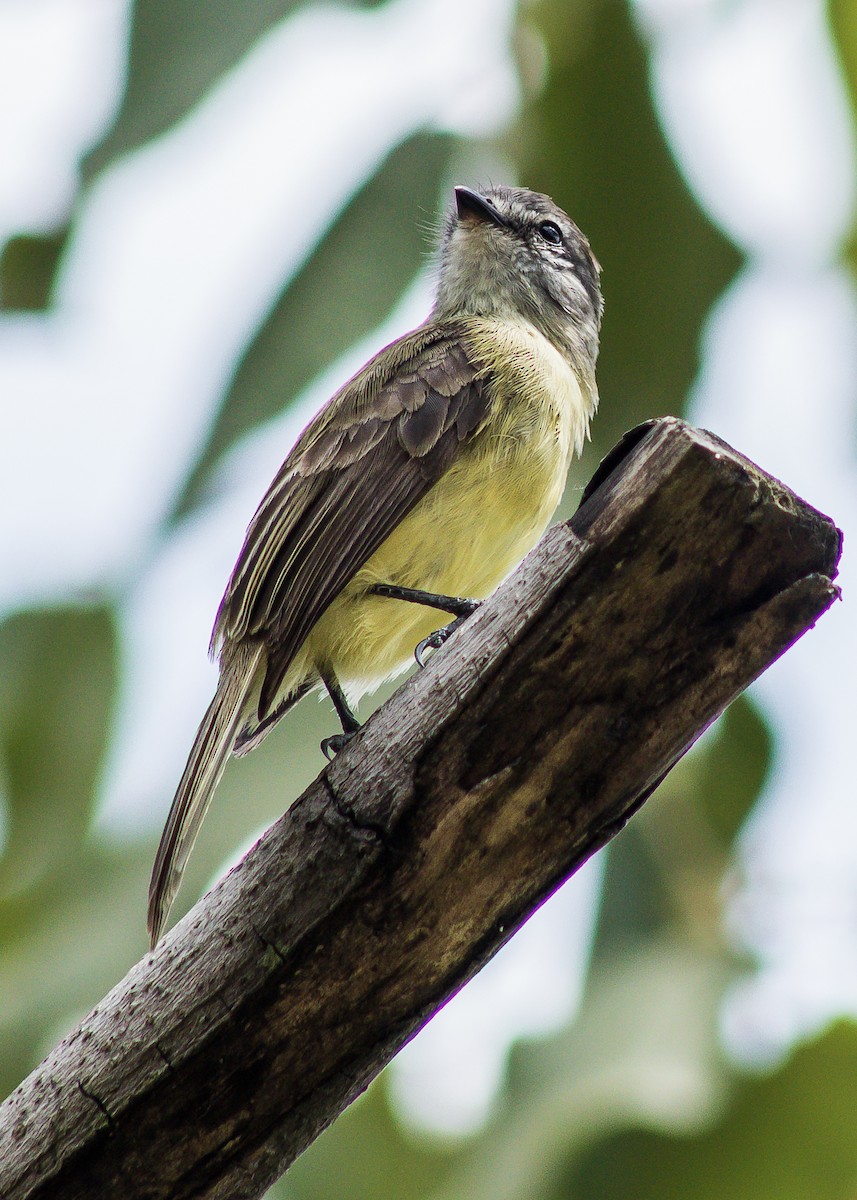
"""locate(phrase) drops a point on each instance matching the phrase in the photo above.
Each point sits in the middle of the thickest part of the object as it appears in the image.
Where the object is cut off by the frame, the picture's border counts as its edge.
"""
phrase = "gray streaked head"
(510, 251)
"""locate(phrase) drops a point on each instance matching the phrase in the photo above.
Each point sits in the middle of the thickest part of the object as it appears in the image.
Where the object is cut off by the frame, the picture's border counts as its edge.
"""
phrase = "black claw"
(435, 640)
(333, 745)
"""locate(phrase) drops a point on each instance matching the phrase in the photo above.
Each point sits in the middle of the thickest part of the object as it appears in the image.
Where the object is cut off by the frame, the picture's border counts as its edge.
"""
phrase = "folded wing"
(356, 472)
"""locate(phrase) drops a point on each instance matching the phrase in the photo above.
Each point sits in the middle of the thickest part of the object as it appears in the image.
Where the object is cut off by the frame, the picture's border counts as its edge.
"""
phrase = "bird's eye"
(551, 232)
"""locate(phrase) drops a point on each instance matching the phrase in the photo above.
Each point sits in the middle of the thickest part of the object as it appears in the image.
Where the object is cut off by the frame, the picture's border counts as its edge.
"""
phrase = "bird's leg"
(460, 607)
(457, 605)
(350, 724)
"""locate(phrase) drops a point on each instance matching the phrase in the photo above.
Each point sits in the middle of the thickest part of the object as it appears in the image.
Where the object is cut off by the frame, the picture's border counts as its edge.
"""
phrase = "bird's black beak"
(471, 204)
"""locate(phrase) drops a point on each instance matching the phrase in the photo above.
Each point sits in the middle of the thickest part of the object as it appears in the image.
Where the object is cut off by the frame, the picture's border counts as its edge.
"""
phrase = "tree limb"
(484, 783)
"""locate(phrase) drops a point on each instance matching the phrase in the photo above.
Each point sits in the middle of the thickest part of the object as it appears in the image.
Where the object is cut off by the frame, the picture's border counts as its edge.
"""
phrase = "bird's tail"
(205, 765)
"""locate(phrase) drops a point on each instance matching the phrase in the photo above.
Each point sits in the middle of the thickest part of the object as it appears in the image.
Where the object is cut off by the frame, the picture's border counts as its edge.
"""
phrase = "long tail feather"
(205, 765)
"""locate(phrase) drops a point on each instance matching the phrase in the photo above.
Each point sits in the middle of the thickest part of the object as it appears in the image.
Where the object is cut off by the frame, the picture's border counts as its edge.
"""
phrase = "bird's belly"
(465, 536)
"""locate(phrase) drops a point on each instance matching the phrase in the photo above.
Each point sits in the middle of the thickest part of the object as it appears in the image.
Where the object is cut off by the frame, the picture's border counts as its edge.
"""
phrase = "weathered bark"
(486, 781)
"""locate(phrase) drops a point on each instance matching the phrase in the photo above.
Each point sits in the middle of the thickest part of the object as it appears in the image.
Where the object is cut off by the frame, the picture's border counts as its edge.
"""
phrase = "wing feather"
(354, 474)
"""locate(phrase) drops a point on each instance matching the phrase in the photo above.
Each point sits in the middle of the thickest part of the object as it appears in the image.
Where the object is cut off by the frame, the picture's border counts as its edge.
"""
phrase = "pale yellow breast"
(541, 398)
(479, 520)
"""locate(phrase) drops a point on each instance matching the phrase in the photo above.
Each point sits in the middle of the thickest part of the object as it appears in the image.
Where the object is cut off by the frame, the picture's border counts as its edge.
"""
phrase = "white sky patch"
(757, 116)
(61, 72)
(780, 365)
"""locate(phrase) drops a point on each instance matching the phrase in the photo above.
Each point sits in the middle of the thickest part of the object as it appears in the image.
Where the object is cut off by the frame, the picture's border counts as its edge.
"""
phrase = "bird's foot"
(435, 640)
(332, 745)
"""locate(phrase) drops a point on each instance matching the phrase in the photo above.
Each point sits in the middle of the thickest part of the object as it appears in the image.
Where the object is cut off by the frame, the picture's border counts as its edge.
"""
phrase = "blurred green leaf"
(28, 264)
(65, 943)
(843, 23)
(57, 688)
(365, 1156)
(349, 284)
(786, 1136)
(635, 901)
(736, 760)
(178, 50)
(592, 140)
(642, 1049)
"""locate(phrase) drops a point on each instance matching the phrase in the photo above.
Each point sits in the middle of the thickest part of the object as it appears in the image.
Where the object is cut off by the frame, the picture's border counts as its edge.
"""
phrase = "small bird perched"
(418, 487)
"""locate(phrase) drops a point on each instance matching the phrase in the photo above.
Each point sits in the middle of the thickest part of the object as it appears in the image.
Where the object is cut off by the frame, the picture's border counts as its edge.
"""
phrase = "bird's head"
(510, 252)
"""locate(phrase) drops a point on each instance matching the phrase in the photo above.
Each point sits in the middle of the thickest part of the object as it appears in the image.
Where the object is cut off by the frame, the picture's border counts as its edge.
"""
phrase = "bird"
(417, 488)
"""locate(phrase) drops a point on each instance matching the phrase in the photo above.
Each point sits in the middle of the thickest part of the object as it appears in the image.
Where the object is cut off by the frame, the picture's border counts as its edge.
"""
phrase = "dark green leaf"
(786, 1136)
(57, 684)
(27, 267)
(736, 762)
(635, 904)
(368, 1157)
(843, 22)
(65, 943)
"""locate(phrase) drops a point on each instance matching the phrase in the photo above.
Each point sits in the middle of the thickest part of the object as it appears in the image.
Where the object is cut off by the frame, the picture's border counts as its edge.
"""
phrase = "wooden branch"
(486, 781)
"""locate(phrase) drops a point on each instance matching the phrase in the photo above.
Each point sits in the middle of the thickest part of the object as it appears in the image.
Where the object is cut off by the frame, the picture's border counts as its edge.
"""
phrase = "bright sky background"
(105, 399)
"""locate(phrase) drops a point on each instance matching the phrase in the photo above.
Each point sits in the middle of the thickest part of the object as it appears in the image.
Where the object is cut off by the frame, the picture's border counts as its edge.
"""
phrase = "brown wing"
(356, 471)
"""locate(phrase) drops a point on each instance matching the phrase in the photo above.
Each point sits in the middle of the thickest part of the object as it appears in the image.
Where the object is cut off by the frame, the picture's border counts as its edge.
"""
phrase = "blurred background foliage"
(633, 1096)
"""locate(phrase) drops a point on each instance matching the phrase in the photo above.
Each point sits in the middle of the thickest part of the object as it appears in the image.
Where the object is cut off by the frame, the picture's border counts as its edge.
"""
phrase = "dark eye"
(551, 232)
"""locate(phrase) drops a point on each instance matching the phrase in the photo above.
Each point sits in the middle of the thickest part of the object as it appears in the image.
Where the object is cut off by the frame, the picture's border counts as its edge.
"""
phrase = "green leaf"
(64, 944)
(57, 685)
(349, 284)
(368, 1156)
(635, 902)
(843, 23)
(785, 1136)
(27, 267)
(736, 763)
